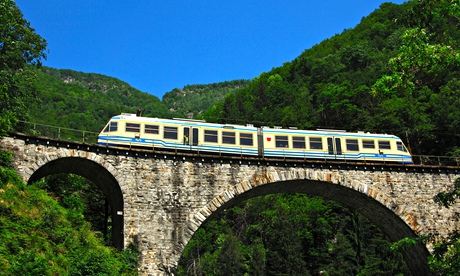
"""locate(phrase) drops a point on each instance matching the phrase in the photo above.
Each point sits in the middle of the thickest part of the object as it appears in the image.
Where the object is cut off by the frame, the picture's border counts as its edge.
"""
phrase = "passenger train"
(130, 130)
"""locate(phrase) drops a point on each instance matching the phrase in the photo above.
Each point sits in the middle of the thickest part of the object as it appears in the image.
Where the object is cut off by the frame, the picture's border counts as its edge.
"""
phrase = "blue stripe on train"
(273, 153)
(156, 143)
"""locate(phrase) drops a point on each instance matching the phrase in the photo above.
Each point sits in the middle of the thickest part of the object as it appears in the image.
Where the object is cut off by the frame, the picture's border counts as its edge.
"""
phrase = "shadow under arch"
(97, 174)
(389, 222)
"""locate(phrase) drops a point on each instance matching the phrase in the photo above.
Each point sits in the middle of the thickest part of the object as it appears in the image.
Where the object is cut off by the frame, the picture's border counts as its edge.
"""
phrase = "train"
(133, 131)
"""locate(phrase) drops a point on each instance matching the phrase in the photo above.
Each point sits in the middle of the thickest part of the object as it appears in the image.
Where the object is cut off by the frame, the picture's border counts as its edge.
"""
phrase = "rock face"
(160, 200)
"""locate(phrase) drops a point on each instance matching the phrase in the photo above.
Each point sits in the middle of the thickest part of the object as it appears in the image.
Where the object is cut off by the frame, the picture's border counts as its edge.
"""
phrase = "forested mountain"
(193, 100)
(396, 72)
(85, 101)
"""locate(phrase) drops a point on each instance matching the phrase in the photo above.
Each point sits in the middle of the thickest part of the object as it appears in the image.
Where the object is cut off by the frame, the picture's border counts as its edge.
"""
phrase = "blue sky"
(156, 46)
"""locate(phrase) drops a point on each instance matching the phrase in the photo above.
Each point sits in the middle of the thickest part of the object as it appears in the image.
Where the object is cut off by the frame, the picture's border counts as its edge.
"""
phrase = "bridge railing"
(58, 133)
(433, 160)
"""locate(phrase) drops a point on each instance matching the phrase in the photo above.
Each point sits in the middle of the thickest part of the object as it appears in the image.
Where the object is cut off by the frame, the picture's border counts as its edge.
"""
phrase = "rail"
(433, 160)
(59, 133)
(90, 137)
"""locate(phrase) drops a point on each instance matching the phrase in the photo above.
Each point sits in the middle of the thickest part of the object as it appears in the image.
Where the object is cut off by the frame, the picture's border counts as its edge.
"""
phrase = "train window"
(298, 142)
(281, 141)
(352, 144)
(210, 136)
(228, 137)
(384, 145)
(170, 133)
(112, 126)
(152, 129)
(368, 144)
(246, 139)
(316, 143)
(130, 127)
(400, 146)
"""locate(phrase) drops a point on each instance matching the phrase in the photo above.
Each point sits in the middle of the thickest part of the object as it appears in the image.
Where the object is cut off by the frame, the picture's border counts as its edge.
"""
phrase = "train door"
(260, 142)
(334, 146)
(338, 146)
(330, 146)
(187, 136)
(195, 136)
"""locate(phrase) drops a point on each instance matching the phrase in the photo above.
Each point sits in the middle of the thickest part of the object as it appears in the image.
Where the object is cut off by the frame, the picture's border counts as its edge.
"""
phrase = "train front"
(403, 152)
(110, 132)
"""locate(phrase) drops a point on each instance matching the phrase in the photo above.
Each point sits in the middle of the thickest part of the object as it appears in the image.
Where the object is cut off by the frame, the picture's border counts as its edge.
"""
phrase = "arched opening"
(98, 175)
(385, 219)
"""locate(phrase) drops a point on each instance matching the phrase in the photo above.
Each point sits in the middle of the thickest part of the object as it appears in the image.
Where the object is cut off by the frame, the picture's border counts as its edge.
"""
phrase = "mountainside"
(396, 72)
(193, 100)
(85, 101)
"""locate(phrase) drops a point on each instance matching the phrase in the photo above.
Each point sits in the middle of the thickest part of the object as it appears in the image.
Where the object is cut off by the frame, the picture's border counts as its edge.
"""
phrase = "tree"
(408, 92)
(19, 46)
(230, 258)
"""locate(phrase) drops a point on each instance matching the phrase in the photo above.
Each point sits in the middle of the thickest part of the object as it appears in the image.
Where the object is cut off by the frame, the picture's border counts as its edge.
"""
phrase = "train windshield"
(111, 126)
(401, 146)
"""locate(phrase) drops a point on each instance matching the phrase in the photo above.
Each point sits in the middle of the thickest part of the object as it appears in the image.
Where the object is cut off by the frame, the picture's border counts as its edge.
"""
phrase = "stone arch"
(376, 207)
(99, 175)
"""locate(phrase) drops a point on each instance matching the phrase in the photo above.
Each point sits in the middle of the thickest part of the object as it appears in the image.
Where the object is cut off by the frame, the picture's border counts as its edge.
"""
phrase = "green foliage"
(19, 46)
(402, 244)
(40, 237)
(448, 198)
(76, 193)
(445, 259)
(6, 159)
(288, 235)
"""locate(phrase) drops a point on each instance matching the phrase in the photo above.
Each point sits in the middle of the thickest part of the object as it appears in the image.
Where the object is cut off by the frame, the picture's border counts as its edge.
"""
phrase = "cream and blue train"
(129, 130)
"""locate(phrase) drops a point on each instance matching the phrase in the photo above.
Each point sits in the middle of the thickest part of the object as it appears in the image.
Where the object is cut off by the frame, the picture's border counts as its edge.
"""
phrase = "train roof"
(291, 130)
(134, 117)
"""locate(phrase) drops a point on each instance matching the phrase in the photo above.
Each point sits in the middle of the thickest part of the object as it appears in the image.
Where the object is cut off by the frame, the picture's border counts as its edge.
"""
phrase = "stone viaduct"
(160, 199)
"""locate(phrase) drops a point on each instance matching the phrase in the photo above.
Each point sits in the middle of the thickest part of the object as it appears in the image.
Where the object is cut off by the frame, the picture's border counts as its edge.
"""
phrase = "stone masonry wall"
(166, 200)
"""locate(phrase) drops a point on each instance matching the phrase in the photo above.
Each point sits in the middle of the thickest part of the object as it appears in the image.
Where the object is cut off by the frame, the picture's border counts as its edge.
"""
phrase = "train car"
(129, 130)
(334, 144)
